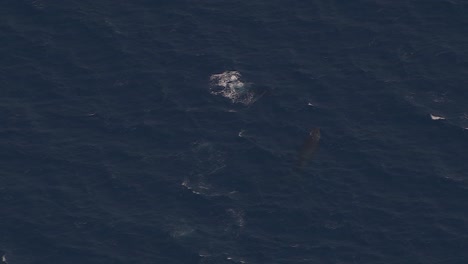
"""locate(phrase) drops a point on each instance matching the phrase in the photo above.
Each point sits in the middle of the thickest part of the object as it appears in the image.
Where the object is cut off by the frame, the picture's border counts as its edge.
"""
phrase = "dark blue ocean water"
(114, 148)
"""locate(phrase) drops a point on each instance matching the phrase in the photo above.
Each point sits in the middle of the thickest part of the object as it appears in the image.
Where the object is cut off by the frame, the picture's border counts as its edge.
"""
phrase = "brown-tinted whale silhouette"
(309, 148)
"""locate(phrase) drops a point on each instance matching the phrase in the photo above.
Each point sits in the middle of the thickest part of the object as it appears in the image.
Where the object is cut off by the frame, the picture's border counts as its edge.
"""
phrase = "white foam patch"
(229, 84)
(186, 184)
(434, 117)
(234, 259)
(199, 187)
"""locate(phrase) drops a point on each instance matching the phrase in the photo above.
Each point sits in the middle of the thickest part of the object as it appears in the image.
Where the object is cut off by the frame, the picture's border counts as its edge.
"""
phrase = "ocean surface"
(170, 131)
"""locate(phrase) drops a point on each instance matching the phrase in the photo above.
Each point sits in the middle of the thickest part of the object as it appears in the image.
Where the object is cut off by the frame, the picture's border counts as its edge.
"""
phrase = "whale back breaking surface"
(309, 147)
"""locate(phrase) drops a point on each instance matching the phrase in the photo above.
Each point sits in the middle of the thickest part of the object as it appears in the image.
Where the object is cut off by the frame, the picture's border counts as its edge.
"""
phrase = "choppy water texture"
(120, 144)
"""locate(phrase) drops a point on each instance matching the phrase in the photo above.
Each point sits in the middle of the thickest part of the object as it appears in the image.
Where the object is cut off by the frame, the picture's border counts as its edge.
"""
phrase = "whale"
(309, 147)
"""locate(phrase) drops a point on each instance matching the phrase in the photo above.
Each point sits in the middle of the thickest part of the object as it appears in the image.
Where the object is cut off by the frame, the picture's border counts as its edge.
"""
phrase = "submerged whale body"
(309, 148)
